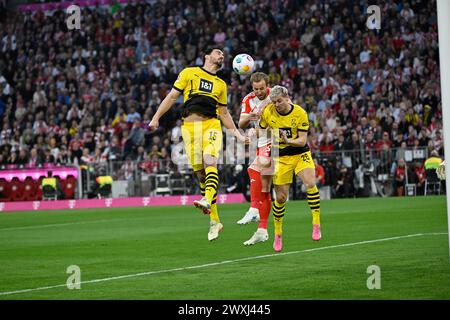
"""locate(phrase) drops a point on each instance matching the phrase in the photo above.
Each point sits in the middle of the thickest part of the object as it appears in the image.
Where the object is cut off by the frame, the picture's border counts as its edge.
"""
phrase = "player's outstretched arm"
(245, 119)
(228, 122)
(165, 106)
(254, 115)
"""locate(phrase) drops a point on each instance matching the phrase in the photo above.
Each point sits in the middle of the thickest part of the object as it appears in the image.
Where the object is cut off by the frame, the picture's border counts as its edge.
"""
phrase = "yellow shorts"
(286, 166)
(200, 138)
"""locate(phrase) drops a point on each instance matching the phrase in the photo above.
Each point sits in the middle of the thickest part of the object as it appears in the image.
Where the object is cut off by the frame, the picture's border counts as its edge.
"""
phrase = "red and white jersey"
(252, 104)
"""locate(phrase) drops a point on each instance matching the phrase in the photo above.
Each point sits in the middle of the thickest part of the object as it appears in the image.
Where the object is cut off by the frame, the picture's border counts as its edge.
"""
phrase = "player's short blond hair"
(258, 76)
(278, 91)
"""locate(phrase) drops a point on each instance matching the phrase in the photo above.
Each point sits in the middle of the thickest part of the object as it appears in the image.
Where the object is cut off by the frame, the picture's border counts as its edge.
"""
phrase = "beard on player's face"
(218, 62)
(261, 95)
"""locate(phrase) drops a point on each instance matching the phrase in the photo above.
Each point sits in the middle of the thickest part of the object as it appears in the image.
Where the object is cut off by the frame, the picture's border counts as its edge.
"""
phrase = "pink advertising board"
(36, 173)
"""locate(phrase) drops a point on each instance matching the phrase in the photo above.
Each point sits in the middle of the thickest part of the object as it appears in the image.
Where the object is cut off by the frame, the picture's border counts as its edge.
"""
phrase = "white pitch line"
(225, 262)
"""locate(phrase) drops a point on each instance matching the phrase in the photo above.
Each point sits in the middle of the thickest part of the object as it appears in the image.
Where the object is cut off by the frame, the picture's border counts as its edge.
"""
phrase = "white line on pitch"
(226, 262)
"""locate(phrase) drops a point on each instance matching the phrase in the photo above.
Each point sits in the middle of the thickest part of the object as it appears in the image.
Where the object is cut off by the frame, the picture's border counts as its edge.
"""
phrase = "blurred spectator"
(401, 178)
(326, 145)
(127, 170)
(140, 156)
(135, 139)
(320, 174)
(237, 181)
(384, 142)
(419, 177)
(344, 186)
(354, 83)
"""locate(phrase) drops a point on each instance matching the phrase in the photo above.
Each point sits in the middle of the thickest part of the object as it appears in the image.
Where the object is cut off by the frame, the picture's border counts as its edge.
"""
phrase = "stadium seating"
(162, 182)
(432, 183)
(39, 192)
(49, 193)
(69, 186)
(104, 192)
(30, 187)
(17, 189)
(5, 190)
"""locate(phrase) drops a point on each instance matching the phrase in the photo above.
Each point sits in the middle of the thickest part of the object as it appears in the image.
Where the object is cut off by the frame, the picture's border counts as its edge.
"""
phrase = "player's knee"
(201, 175)
(209, 160)
(265, 189)
(263, 162)
(310, 183)
(281, 197)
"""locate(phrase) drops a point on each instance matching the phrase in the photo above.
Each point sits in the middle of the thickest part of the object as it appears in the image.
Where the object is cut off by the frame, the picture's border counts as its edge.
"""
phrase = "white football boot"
(203, 205)
(214, 229)
(252, 215)
(260, 235)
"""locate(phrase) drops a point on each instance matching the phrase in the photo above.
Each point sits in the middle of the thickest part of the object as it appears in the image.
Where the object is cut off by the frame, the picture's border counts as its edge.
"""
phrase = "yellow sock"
(202, 188)
(278, 210)
(214, 215)
(212, 183)
(313, 198)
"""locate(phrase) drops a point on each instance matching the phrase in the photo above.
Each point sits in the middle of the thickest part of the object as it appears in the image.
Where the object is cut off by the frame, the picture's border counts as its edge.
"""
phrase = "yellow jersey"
(49, 182)
(102, 180)
(203, 91)
(432, 163)
(296, 120)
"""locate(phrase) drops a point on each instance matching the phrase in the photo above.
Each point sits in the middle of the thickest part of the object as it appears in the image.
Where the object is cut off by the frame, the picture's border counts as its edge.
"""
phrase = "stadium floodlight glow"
(443, 13)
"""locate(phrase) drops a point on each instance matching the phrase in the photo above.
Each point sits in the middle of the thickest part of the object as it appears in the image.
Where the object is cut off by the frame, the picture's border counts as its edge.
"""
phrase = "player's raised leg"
(215, 225)
(210, 207)
(192, 133)
(210, 159)
(252, 215)
(253, 105)
(261, 234)
(211, 145)
(278, 211)
(201, 175)
(312, 194)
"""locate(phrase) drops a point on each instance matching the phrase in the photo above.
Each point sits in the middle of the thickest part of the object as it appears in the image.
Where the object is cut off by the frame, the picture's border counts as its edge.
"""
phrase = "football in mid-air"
(243, 64)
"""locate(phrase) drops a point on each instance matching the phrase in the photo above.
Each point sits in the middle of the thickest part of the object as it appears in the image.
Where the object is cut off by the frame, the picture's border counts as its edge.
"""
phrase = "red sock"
(265, 210)
(255, 188)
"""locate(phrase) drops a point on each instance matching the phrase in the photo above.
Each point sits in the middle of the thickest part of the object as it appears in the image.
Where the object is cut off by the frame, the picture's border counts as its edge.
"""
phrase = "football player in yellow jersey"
(205, 101)
(289, 124)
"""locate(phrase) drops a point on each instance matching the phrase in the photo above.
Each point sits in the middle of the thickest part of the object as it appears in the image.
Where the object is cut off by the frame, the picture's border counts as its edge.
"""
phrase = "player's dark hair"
(208, 50)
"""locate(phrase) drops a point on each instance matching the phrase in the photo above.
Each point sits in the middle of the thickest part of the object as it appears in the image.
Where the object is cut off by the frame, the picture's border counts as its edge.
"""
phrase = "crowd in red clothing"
(87, 96)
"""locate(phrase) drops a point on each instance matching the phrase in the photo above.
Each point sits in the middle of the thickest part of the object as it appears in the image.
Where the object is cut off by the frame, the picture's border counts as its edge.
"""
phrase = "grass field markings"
(60, 224)
(72, 223)
(226, 262)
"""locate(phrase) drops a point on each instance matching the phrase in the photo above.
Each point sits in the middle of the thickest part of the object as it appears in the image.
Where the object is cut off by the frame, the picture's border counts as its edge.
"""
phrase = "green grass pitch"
(163, 252)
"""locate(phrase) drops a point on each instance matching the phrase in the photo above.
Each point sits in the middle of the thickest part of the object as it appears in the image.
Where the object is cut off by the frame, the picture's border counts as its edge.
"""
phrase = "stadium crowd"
(86, 96)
